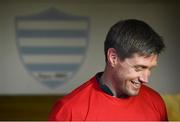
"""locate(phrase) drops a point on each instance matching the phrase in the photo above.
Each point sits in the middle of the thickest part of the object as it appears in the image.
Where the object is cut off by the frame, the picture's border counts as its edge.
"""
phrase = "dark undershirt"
(104, 87)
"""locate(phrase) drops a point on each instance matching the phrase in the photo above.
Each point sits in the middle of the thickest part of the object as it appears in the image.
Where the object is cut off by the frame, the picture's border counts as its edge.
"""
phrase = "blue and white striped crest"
(52, 44)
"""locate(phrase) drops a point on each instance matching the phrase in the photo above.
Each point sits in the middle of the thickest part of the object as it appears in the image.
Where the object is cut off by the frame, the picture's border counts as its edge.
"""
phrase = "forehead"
(137, 59)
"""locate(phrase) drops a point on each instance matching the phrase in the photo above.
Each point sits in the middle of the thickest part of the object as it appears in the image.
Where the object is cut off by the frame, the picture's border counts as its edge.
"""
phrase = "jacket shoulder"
(73, 103)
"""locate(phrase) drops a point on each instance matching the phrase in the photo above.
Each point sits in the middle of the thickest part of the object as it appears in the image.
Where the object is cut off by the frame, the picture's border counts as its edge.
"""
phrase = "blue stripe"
(53, 83)
(52, 14)
(53, 50)
(52, 67)
(52, 33)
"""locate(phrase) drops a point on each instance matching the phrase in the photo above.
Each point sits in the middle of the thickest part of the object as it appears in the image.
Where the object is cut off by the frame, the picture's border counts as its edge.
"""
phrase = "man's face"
(129, 74)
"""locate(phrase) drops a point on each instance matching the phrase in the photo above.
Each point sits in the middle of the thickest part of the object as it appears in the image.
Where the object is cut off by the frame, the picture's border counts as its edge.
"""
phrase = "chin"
(133, 93)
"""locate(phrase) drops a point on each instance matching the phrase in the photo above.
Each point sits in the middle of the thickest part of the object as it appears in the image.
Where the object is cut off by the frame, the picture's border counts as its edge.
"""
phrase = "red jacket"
(89, 102)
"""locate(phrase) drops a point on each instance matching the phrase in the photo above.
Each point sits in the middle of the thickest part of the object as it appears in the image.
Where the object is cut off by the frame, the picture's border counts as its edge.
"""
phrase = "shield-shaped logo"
(52, 44)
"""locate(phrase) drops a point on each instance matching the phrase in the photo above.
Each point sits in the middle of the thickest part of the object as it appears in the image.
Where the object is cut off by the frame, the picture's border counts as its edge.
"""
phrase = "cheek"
(129, 74)
(127, 71)
(133, 74)
(124, 72)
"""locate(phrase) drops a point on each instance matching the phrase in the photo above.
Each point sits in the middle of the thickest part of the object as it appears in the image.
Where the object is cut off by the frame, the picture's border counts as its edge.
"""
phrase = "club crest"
(52, 45)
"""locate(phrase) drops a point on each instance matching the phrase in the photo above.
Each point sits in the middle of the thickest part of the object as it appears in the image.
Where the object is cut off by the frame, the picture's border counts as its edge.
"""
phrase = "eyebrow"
(143, 66)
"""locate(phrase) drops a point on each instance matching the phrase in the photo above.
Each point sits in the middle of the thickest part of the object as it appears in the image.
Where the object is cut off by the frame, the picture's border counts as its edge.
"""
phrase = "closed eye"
(140, 68)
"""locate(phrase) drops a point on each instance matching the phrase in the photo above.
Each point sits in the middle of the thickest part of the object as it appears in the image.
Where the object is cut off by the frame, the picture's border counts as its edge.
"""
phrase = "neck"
(107, 80)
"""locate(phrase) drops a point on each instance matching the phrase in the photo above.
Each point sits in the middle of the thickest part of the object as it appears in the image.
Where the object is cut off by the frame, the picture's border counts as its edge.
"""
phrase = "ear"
(112, 57)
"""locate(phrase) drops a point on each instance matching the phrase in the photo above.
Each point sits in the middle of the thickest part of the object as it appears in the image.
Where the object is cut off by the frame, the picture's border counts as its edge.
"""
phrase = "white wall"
(163, 17)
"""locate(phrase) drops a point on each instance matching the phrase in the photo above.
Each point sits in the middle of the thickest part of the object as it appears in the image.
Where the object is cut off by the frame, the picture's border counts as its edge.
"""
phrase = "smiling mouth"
(136, 84)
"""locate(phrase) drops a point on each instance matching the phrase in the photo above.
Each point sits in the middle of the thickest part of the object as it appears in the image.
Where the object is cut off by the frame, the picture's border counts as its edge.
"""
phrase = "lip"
(136, 84)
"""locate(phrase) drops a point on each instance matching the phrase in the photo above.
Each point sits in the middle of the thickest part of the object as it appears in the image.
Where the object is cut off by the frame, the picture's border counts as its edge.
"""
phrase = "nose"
(144, 77)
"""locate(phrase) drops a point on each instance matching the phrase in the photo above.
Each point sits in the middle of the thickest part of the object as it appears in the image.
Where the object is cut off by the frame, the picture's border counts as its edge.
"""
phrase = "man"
(119, 93)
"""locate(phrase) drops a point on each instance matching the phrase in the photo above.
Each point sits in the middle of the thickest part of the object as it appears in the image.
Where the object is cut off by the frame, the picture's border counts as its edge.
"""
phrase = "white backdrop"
(163, 17)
